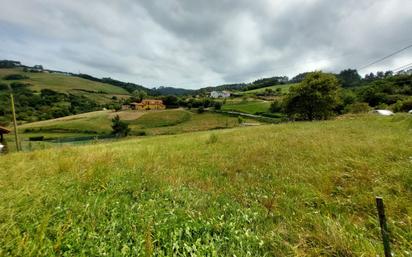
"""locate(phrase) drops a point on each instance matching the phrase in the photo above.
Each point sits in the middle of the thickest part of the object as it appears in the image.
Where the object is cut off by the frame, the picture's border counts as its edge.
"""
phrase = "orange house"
(148, 104)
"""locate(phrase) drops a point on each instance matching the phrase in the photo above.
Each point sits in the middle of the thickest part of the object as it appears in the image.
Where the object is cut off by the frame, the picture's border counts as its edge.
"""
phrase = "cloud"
(192, 44)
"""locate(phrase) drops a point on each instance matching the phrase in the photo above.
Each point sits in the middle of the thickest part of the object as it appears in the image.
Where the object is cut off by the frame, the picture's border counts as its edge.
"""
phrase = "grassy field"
(251, 107)
(98, 123)
(162, 119)
(100, 92)
(298, 189)
(284, 89)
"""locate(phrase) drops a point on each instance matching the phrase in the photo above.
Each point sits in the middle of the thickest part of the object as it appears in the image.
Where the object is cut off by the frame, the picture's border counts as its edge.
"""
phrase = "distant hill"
(260, 83)
(62, 83)
(172, 91)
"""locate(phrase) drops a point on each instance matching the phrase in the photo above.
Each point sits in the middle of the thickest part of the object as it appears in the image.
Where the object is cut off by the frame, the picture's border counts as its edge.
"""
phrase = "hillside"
(61, 83)
(298, 189)
(284, 89)
(87, 127)
(250, 107)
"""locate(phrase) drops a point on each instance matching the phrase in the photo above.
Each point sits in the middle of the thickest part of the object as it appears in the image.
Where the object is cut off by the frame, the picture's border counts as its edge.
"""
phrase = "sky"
(197, 43)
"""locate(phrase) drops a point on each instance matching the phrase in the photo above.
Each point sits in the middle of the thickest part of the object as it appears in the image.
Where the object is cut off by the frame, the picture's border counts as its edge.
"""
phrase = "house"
(219, 94)
(3, 130)
(148, 104)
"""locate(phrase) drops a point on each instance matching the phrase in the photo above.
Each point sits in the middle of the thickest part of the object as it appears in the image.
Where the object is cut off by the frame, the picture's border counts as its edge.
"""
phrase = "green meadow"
(251, 107)
(296, 189)
(284, 89)
(97, 91)
(95, 124)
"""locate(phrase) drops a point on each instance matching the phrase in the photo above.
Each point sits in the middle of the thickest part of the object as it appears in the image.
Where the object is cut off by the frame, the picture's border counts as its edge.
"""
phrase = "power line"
(403, 67)
(385, 57)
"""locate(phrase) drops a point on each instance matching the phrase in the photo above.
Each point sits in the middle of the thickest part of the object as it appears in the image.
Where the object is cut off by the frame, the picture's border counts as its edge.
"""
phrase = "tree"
(315, 98)
(201, 109)
(120, 128)
(349, 78)
(139, 95)
(170, 101)
(275, 106)
(217, 105)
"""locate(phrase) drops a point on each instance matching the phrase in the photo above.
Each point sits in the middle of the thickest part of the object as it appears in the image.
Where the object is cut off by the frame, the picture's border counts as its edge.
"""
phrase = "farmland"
(297, 189)
(98, 123)
(251, 107)
(284, 89)
(61, 83)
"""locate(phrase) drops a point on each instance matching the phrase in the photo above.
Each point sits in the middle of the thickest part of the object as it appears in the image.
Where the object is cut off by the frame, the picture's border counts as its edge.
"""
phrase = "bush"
(141, 133)
(217, 105)
(38, 138)
(403, 106)
(14, 77)
(119, 127)
(276, 106)
(357, 108)
(201, 109)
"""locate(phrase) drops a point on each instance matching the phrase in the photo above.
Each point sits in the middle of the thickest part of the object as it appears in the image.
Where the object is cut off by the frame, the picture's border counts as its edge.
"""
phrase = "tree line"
(322, 95)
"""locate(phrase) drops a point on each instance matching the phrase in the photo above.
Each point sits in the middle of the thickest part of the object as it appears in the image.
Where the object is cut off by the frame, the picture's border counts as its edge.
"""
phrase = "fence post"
(384, 228)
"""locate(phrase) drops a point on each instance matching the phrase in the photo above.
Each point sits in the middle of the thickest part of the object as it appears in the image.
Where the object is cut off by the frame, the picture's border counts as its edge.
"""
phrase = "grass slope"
(299, 189)
(251, 107)
(284, 88)
(91, 124)
(67, 84)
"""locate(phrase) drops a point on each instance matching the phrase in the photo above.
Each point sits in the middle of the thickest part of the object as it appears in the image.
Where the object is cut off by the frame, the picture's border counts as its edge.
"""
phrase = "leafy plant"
(120, 128)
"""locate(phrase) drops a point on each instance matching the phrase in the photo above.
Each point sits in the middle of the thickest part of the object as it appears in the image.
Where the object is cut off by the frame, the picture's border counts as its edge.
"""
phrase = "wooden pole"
(16, 135)
(384, 228)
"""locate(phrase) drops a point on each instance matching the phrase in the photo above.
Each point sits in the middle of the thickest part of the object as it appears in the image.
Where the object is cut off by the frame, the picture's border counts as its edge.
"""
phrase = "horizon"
(191, 45)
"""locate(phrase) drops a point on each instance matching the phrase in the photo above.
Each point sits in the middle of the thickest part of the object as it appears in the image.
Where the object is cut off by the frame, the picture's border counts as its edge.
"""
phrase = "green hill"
(298, 189)
(61, 83)
(251, 107)
(96, 124)
(284, 89)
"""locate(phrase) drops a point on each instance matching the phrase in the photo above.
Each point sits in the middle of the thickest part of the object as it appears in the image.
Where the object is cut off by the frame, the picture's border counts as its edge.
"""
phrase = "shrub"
(357, 108)
(201, 109)
(276, 106)
(15, 77)
(218, 105)
(37, 138)
(141, 133)
(407, 105)
(119, 127)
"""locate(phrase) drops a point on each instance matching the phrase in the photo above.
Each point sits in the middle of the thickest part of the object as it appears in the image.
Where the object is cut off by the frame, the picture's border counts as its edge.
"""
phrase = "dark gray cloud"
(192, 44)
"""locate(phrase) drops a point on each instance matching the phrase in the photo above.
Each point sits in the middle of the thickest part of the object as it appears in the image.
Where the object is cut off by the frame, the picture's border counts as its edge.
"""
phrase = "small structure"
(384, 112)
(219, 94)
(148, 104)
(3, 130)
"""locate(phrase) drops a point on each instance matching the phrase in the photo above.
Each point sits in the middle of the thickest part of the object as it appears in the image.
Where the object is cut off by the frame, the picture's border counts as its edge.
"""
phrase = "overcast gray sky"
(192, 44)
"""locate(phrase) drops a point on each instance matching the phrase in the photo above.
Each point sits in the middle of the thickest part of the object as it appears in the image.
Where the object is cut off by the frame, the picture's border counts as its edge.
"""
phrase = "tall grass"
(299, 189)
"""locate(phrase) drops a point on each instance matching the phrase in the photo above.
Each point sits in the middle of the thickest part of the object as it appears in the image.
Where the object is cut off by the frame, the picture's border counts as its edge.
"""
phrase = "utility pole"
(18, 146)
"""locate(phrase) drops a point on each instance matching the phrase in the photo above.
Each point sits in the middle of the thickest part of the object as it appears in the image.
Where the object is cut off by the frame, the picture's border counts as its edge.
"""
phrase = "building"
(148, 104)
(3, 130)
(219, 94)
